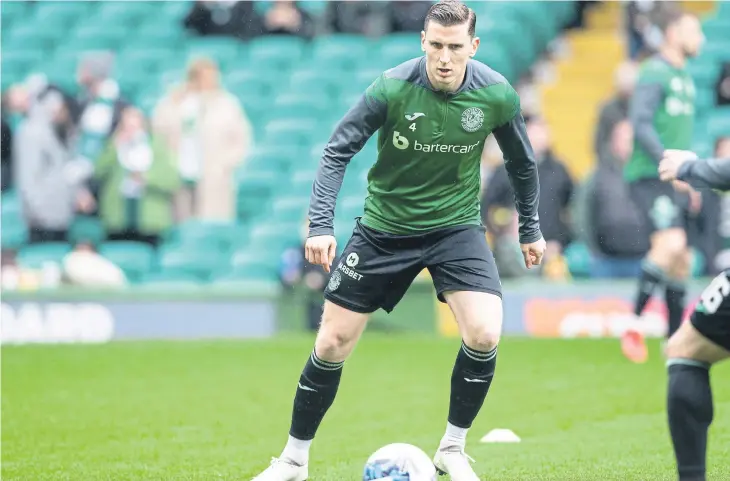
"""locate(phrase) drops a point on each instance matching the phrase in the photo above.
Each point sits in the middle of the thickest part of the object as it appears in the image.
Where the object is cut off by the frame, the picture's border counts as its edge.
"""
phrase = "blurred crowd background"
(167, 143)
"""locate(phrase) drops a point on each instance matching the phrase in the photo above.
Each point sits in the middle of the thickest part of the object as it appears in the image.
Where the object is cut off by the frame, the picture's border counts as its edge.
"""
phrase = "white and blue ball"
(399, 462)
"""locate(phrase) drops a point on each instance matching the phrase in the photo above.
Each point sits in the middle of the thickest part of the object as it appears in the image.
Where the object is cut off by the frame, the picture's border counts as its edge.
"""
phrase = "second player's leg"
(691, 352)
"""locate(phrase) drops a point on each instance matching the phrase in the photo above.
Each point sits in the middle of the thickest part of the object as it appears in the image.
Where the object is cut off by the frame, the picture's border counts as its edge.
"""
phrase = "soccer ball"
(399, 462)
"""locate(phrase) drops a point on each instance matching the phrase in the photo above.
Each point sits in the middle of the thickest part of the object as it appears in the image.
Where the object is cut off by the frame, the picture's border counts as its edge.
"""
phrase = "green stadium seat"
(275, 52)
(292, 131)
(173, 12)
(578, 257)
(136, 259)
(290, 209)
(341, 51)
(20, 63)
(397, 48)
(29, 36)
(199, 233)
(161, 35)
(719, 122)
(200, 263)
(225, 51)
(36, 255)
(120, 13)
(12, 11)
(62, 13)
(704, 74)
(86, 229)
(317, 82)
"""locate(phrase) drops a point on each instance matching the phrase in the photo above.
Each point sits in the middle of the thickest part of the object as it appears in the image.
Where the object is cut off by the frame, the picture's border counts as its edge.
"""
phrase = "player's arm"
(644, 104)
(349, 137)
(709, 174)
(519, 161)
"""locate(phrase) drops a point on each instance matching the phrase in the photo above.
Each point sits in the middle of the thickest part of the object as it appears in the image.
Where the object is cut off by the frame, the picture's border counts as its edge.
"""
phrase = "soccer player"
(433, 114)
(662, 113)
(700, 343)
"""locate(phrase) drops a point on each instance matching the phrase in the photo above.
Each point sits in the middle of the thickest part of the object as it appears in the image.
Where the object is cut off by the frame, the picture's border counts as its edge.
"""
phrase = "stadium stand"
(293, 91)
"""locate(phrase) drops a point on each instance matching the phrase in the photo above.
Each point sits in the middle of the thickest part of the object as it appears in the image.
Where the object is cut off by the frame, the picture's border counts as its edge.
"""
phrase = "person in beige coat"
(208, 132)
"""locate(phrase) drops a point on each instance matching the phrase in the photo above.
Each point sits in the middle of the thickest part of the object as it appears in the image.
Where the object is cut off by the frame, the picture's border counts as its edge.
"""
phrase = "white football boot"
(452, 460)
(281, 470)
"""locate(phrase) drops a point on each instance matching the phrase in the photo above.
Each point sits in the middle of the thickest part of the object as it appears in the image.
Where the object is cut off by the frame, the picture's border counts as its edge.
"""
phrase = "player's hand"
(671, 162)
(533, 252)
(320, 251)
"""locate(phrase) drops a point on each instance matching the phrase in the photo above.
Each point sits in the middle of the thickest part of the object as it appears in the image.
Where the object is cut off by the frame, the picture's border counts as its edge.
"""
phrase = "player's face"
(689, 31)
(448, 49)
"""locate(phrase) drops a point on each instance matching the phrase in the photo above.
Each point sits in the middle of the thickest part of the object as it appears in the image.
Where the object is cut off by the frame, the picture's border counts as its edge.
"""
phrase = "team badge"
(472, 119)
(335, 281)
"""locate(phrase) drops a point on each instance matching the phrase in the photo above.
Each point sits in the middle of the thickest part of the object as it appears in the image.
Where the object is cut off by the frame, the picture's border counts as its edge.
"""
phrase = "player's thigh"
(465, 276)
(707, 336)
(374, 271)
(689, 343)
(479, 317)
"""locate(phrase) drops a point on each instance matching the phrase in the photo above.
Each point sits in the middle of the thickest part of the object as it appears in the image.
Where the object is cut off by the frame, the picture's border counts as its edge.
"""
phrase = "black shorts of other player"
(376, 269)
(712, 316)
(660, 205)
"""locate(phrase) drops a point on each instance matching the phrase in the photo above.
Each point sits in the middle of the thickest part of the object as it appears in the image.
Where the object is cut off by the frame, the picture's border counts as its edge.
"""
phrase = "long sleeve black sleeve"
(349, 137)
(711, 173)
(644, 104)
(519, 160)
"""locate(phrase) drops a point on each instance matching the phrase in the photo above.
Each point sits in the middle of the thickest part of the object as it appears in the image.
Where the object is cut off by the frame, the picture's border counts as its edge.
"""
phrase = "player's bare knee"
(482, 338)
(339, 332)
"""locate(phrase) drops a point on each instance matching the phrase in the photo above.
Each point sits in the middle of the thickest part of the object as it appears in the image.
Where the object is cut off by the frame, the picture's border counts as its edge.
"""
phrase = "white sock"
(454, 436)
(296, 451)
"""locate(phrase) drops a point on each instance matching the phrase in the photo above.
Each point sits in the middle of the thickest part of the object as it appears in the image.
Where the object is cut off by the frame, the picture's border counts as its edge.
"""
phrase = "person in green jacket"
(138, 179)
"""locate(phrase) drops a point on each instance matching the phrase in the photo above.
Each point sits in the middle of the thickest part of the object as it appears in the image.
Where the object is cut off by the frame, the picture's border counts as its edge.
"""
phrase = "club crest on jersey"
(335, 281)
(472, 119)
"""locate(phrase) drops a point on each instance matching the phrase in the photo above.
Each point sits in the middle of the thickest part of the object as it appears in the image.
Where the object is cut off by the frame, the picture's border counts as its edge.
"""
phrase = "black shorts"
(376, 269)
(661, 206)
(711, 318)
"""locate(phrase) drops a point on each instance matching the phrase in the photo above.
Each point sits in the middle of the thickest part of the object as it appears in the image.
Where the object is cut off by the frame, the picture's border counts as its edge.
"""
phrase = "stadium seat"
(199, 233)
(136, 259)
(196, 262)
(36, 255)
(279, 52)
(341, 51)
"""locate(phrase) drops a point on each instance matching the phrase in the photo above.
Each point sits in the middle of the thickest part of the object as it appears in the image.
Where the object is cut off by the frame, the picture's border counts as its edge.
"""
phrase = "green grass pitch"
(219, 410)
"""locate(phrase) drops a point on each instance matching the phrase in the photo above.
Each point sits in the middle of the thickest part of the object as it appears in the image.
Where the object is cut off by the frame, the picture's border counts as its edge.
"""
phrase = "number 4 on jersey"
(715, 293)
(412, 126)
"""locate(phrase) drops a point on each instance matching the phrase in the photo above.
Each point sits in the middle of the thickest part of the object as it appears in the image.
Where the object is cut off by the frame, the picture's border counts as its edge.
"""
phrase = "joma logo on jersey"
(402, 143)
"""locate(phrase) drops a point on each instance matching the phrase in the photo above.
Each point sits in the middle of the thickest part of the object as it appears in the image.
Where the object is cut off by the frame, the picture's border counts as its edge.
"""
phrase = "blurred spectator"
(352, 16)
(644, 36)
(722, 88)
(287, 18)
(614, 111)
(138, 179)
(296, 272)
(223, 18)
(41, 159)
(606, 219)
(408, 16)
(6, 160)
(209, 134)
(85, 267)
(556, 187)
(99, 105)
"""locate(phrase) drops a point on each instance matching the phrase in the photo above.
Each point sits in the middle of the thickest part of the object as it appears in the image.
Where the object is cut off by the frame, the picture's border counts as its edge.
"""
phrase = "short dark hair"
(451, 12)
(667, 15)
